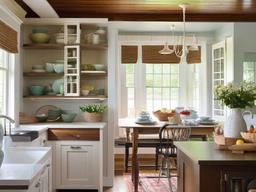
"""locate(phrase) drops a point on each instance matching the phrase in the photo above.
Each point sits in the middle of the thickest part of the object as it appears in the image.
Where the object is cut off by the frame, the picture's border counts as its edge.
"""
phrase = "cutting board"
(243, 148)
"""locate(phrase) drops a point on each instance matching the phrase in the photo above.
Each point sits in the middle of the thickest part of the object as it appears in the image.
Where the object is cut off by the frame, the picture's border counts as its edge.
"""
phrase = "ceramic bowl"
(49, 67)
(37, 90)
(68, 118)
(59, 67)
(37, 67)
(99, 67)
(39, 37)
(85, 92)
(41, 117)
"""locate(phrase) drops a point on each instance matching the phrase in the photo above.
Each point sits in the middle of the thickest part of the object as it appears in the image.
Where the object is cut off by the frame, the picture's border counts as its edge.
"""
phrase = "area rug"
(151, 184)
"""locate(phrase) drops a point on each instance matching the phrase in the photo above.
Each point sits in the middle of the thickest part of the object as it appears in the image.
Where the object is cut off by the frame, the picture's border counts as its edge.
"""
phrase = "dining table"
(133, 130)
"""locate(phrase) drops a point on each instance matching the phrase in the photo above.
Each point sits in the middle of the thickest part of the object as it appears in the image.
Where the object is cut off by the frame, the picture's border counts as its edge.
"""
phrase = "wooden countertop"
(202, 152)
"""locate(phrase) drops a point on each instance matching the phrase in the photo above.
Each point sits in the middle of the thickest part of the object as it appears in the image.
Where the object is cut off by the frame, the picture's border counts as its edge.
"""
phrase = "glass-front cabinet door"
(219, 67)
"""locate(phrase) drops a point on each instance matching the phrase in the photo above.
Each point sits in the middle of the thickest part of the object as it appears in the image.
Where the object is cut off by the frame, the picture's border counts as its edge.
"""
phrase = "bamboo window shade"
(129, 54)
(8, 38)
(151, 55)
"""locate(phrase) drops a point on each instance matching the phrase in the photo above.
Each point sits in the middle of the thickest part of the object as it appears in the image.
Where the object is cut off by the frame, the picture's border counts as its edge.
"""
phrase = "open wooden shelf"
(94, 47)
(93, 73)
(61, 46)
(47, 97)
(40, 75)
(44, 46)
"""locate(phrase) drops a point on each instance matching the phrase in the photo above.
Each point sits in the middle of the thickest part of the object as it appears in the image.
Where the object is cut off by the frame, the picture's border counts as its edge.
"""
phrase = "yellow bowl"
(39, 37)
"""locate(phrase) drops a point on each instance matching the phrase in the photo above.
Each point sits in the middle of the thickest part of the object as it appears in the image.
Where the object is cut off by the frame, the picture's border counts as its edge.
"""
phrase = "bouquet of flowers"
(233, 96)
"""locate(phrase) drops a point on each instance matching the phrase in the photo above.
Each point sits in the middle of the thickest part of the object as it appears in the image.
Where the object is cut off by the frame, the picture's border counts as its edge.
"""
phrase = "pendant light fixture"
(182, 51)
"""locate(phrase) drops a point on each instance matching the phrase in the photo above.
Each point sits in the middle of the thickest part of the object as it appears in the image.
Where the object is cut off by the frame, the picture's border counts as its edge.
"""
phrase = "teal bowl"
(37, 90)
(41, 118)
(69, 117)
(59, 67)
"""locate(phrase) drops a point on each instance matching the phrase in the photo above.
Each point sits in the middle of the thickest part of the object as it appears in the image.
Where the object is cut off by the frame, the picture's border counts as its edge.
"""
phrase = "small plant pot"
(92, 117)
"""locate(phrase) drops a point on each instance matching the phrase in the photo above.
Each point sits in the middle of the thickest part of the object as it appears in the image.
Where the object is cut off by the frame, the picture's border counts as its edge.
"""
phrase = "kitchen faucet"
(11, 121)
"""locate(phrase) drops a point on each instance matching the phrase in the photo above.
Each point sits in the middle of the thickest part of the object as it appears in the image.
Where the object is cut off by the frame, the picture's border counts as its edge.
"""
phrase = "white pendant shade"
(193, 48)
(166, 50)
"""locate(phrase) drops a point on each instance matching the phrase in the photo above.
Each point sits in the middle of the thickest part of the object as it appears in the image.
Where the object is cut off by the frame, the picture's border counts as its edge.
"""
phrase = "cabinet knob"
(75, 147)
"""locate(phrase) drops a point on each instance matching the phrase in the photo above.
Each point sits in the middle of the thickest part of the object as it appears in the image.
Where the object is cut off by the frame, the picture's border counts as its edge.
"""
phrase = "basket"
(163, 116)
(92, 117)
(249, 137)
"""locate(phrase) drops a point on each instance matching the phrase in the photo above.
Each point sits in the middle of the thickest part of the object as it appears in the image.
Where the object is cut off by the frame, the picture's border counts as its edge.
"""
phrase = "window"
(162, 86)
(249, 71)
(155, 86)
(3, 80)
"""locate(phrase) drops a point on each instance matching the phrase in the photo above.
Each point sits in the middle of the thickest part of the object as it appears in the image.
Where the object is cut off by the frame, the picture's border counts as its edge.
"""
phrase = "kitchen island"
(203, 168)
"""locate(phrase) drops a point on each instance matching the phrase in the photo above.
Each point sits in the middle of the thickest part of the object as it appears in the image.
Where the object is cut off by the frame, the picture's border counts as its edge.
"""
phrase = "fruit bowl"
(163, 116)
(249, 137)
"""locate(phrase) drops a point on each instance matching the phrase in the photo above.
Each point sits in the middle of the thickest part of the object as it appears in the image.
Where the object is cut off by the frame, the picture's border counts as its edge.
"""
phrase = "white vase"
(234, 124)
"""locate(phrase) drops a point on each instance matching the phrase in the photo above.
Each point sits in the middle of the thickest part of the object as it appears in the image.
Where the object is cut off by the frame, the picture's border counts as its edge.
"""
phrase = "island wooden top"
(202, 152)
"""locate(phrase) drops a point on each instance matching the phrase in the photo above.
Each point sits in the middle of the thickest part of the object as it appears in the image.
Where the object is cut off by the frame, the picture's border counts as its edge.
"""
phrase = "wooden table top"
(130, 123)
(202, 152)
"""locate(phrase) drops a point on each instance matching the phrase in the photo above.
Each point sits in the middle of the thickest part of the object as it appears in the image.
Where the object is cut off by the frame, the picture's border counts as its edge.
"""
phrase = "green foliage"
(236, 96)
(93, 108)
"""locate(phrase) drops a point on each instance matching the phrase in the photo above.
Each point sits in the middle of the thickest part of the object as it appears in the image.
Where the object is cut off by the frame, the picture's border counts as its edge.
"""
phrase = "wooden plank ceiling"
(156, 10)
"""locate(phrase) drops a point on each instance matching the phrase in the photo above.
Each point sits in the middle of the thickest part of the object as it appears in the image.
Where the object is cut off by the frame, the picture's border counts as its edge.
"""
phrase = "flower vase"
(234, 124)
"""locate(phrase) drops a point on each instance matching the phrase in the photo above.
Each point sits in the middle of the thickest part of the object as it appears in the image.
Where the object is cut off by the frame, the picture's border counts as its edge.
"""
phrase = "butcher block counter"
(203, 168)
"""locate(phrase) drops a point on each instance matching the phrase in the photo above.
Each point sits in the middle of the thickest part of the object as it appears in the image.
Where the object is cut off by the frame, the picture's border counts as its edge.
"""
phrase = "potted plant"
(93, 112)
(236, 98)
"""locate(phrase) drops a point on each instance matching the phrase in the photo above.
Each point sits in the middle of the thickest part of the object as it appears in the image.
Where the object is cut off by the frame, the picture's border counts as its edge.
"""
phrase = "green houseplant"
(237, 98)
(93, 112)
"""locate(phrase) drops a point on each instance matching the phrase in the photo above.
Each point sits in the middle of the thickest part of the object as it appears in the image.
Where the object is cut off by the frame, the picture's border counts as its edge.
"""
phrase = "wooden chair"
(168, 150)
(142, 143)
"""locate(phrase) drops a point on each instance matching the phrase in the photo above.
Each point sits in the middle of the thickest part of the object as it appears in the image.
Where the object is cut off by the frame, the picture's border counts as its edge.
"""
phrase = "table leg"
(135, 163)
(127, 134)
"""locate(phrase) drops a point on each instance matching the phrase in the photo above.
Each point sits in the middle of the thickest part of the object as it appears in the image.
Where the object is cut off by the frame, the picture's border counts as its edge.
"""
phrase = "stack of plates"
(205, 120)
(144, 118)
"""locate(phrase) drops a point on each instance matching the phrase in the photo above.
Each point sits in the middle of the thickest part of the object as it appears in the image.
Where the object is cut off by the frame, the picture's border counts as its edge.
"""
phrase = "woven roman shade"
(150, 54)
(8, 38)
(129, 54)
(194, 57)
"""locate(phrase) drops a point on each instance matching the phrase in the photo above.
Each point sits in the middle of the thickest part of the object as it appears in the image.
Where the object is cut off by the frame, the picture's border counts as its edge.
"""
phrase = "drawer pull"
(75, 147)
(78, 136)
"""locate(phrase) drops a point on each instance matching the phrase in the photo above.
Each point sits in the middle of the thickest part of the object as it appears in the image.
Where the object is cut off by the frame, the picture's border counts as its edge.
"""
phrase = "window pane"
(3, 91)
(174, 80)
(174, 68)
(149, 68)
(149, 80)
(166, 68)
(157, 68)
(129, 80)
(157, 80)
(166, 81)
(129, 68)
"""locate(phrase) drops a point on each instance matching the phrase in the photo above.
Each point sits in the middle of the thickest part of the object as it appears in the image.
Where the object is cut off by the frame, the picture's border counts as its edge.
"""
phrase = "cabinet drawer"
(73, 134)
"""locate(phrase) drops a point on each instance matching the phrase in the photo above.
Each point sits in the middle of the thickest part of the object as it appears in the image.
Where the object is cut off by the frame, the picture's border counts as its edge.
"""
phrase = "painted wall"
(244, 41)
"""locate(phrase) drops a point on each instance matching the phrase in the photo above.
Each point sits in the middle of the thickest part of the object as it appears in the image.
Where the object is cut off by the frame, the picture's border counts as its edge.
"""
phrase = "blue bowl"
(37, 90)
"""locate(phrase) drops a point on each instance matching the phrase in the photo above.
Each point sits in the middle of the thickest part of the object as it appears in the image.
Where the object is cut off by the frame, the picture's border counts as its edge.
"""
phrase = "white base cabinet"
(78, 165)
